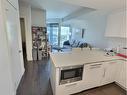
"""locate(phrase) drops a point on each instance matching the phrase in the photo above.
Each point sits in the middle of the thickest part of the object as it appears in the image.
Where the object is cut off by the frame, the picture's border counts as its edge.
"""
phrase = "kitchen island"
(98, 69)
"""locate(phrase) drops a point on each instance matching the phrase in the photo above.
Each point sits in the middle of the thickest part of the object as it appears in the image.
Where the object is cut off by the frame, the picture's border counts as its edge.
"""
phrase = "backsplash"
(119, 44)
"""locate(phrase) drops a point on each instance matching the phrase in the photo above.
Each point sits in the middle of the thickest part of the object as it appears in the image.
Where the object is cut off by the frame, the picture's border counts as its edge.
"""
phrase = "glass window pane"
(52, 31)
(65, 34)
(55, 36)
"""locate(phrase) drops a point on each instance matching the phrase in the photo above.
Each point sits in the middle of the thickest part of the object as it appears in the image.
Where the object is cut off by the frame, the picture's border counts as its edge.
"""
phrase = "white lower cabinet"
(98, 74)
(121, 77)
(93, 74)
(109, 72)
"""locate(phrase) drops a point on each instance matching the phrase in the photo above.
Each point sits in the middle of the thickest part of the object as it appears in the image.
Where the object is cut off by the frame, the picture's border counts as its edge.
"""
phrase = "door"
(13, 35)
(109, 72)
(93, 75)
(23, 36)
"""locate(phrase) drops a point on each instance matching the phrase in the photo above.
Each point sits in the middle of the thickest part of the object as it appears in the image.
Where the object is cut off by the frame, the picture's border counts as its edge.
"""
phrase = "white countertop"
(79, 57)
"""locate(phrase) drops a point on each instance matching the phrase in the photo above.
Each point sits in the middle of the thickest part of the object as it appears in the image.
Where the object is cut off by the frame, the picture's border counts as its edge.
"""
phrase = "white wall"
(38, 17)
(95, 31)
(95, 26)
(25, 12)
(116, 42)
(95, 34)
(77, 33)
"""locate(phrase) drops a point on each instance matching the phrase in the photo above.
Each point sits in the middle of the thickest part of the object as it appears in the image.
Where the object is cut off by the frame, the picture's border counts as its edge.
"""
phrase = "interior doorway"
(22, 25)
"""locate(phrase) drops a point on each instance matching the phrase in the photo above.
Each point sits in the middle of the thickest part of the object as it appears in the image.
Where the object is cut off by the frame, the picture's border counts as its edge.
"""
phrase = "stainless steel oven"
(71, 74)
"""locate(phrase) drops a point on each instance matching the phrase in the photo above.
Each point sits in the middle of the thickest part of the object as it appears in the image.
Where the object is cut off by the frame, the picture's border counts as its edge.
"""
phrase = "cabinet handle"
(71, 84)
(96, 65)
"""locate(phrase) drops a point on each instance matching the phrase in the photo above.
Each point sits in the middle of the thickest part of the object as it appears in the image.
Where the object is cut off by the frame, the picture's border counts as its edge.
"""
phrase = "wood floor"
(111, 89)
(36, 82)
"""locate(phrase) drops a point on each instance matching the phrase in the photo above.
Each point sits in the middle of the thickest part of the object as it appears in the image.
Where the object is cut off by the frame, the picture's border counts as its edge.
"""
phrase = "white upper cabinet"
(116, 25)
(14, 3)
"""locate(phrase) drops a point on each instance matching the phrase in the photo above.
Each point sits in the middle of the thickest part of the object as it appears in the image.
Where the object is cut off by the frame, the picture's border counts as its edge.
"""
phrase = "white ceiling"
(63, 8)
(54, 8)
(99, 4)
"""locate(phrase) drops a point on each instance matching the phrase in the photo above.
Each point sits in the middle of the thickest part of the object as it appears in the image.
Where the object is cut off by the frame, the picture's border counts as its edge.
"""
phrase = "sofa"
(75, 44)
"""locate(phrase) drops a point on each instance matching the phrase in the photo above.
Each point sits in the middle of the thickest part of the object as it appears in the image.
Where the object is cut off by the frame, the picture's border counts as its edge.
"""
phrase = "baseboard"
(121, 86)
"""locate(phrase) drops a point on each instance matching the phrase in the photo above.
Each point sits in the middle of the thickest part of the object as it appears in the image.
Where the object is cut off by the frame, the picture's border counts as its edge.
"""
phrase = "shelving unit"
(40, 42)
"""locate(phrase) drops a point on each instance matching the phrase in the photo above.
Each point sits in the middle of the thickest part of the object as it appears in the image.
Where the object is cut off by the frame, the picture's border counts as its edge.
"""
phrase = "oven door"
(71, 74)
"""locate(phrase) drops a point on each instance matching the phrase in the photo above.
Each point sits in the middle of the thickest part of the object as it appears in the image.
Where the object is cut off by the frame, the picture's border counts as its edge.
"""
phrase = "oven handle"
(71, 84)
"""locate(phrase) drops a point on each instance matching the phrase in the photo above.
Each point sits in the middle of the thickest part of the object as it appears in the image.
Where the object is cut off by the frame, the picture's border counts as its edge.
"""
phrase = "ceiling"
(63, 8)
(54, 8)
(99, 4)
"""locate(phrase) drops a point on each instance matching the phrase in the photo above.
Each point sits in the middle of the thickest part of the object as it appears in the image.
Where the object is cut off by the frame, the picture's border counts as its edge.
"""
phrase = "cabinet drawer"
(69, 88)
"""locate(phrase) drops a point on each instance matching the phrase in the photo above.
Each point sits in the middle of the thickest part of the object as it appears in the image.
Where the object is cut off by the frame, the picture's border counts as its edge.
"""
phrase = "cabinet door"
(121, 77)
(109, 72)
(116, 25)
(93, 75)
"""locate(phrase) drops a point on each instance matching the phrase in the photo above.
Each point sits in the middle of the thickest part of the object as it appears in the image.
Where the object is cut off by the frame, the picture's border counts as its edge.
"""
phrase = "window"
(65, 34)
(52, 31)
(57, 36)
